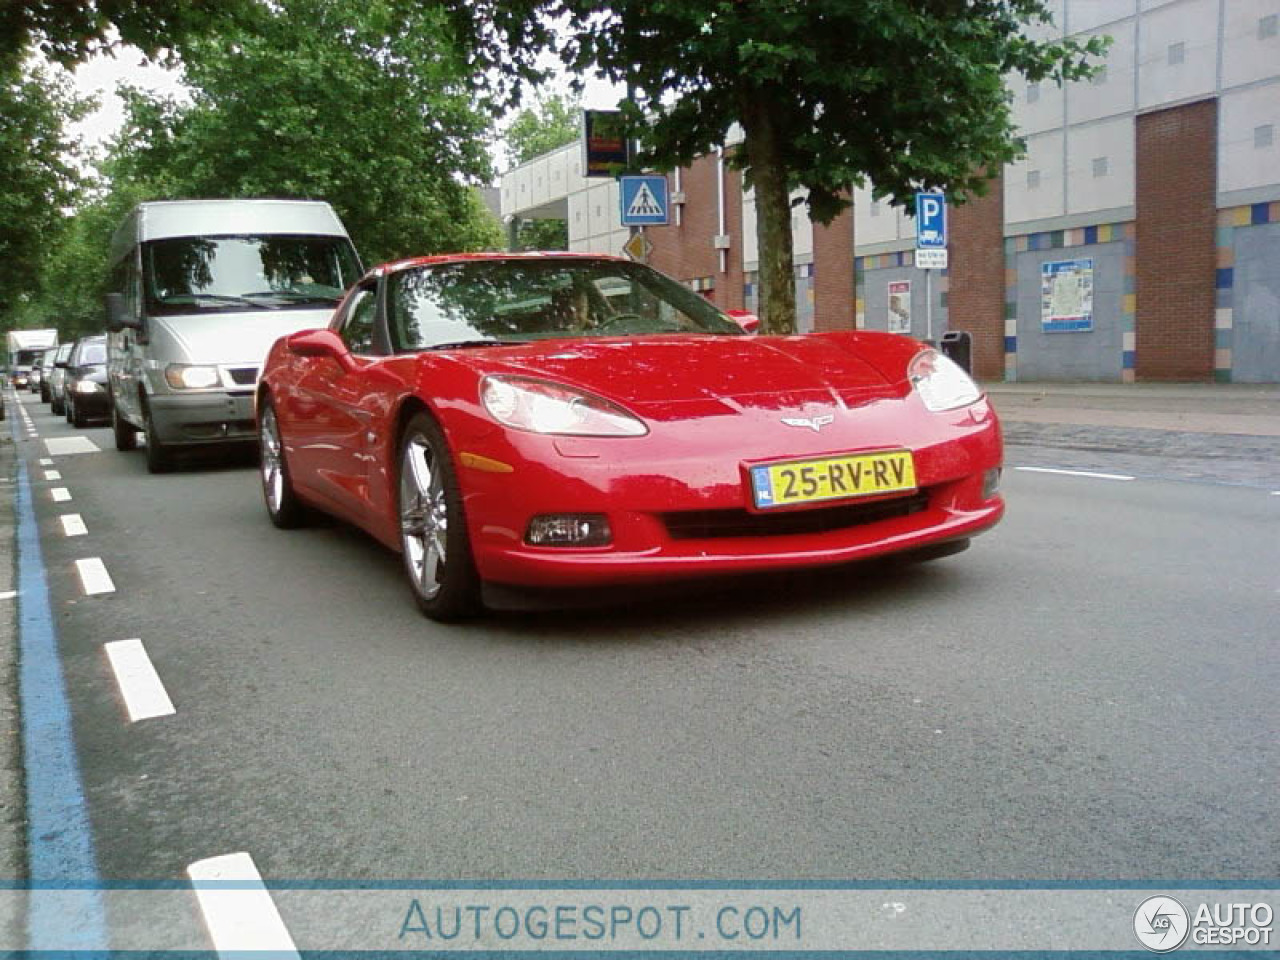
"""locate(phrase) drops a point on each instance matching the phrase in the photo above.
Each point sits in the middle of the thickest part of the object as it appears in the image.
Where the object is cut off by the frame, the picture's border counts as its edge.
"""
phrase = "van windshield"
(277, 272)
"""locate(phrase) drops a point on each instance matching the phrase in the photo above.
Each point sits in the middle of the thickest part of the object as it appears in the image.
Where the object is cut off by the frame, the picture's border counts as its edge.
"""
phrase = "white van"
(201, 289)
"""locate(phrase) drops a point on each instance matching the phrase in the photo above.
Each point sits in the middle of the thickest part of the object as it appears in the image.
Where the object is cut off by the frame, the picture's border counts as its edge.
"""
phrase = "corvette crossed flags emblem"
(813, 423)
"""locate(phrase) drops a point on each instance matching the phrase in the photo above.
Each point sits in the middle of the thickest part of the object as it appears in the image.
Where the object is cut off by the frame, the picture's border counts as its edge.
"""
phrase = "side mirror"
(61, 364)
(118, 316)
(321, 343)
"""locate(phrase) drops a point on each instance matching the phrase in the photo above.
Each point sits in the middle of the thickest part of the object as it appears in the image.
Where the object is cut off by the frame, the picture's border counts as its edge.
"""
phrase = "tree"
(902, 94)
(552, 121)
(364, 103)
(68, 31)
(40, 176)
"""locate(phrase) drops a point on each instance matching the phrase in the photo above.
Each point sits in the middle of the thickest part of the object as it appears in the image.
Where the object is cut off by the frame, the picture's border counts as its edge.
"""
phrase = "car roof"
(395, 266)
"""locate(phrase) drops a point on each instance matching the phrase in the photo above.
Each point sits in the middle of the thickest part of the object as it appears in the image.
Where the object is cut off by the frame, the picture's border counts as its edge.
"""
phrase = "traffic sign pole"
(931, 246)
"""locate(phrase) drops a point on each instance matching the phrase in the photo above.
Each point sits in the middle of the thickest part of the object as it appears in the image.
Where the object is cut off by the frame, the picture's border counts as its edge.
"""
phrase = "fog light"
(569, 530)
(990, 483)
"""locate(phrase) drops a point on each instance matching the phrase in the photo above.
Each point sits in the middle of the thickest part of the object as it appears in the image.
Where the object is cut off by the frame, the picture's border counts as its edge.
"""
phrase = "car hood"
(228, 338)
(772, 373)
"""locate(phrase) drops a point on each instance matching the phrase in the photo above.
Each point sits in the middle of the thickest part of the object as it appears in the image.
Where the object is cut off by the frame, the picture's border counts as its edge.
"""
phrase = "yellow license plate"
(832, 478)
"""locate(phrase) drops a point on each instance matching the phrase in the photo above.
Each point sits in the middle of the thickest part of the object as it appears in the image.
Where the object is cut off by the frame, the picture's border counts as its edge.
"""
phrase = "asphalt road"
(1088, 693)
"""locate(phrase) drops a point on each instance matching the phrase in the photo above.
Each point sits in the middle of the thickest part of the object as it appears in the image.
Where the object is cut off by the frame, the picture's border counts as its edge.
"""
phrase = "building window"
(1264, 136)
(1033, 179)
(1100, 77)
(1177, 53)
(1268, 26)
(1033, 92)
(1100, 167)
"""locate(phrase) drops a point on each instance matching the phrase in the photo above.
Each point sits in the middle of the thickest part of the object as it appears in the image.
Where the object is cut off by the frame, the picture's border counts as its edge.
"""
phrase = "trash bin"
(958, 345)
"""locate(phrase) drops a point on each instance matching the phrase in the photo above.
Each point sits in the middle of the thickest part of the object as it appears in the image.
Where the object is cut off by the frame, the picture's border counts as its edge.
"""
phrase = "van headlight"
(183, 376)
(941, 382)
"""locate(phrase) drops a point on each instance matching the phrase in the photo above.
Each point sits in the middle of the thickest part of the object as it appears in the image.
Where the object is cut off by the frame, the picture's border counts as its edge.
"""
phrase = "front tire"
(125, 434)
(283, 506)
(159, 458)
(433, 529)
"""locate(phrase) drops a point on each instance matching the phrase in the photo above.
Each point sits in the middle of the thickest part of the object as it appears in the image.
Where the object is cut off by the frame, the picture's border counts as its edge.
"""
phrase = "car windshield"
(91, 353)
(276, 272)
(512, 301)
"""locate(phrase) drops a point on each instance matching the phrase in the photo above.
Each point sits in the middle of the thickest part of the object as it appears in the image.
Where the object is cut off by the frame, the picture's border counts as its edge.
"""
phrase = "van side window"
(357, 329)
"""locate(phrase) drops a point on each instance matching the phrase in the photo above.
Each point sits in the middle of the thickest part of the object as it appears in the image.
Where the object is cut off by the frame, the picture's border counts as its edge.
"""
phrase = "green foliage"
(552, 121)
(364, 103)
(68, 31)
(40, 180)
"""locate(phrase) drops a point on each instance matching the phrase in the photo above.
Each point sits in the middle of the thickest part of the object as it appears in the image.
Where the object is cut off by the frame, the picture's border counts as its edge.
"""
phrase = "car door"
(327, 430)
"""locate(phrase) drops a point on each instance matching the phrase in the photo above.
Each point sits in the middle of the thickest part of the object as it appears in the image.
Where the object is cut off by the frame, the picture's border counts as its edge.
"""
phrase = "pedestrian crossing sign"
(644, 201)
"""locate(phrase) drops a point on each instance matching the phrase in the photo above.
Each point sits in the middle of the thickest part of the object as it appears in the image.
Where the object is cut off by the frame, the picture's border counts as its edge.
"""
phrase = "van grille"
(710, 524)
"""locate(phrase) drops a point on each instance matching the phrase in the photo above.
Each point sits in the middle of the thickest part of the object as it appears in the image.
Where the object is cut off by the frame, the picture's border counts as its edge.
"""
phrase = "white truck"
(24, 348)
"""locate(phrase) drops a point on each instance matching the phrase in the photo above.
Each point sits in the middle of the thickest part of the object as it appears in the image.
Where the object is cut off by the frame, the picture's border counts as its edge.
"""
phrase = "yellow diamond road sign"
(638, 248)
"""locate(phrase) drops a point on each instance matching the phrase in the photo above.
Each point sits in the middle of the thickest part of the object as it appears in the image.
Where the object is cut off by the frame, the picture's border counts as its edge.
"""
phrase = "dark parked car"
(58, 378)
(85, 388)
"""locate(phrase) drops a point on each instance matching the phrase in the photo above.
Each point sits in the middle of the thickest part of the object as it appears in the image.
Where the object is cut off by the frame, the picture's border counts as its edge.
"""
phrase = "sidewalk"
(1251, 410)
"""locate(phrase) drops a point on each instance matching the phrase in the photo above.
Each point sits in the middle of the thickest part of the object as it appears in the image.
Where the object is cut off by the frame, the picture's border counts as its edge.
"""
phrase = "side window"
(357, 329)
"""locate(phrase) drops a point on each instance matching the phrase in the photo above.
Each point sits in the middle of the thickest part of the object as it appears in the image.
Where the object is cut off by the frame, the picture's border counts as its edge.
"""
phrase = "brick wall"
(1177, 217)
(833, 293)
(976, 277)
(687, 252)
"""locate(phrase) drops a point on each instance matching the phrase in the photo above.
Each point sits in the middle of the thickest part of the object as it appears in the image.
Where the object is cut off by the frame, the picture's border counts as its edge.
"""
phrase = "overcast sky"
(99, 76)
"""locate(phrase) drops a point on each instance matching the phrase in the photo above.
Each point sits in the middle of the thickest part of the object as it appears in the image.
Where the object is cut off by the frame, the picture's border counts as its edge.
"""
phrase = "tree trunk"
(777, 276)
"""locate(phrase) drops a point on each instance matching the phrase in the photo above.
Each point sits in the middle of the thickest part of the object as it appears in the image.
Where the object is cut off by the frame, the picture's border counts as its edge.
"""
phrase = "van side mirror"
(118, 316)
(321, 343)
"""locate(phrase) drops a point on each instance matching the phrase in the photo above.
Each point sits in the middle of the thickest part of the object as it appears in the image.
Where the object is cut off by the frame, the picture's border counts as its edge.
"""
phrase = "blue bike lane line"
(60, 850)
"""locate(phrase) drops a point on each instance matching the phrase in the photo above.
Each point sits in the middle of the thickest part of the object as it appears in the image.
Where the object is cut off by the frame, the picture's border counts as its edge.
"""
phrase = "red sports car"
(557, 420)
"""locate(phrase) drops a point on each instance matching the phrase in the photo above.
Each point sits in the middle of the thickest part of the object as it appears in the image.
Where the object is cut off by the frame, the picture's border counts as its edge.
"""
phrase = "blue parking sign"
(931, 221)
(644, 201)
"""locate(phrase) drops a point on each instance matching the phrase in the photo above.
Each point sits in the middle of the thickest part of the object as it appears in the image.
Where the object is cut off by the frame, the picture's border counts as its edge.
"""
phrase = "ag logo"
(1161, 924)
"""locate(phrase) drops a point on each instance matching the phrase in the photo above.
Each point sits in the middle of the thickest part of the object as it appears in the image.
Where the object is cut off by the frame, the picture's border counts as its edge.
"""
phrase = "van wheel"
(125, 434)
(159, 457)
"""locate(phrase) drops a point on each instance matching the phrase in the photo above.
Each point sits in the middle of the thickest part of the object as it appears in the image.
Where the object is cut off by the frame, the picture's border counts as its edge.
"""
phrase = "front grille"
(244, 376)
(710, 524)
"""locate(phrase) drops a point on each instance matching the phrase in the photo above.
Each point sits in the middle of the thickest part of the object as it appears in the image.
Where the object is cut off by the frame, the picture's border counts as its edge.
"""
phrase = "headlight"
(941, 382)
(87, 386)
(183, 377)
(541, 407)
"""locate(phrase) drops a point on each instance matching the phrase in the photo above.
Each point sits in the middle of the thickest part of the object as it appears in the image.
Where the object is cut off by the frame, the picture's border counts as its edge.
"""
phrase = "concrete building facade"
(1151, 191)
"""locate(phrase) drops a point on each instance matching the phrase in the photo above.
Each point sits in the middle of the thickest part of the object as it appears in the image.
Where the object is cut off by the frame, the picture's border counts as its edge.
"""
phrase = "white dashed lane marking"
(94, 577)
(244, 918)
(144, 695)
(1076, 473)
(60, 494)
(46, 462)
(52, 475)
(8, 594)
(62, 446)
(73, 525)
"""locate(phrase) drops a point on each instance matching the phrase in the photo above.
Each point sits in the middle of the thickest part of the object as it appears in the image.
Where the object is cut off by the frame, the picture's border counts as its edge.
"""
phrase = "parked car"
(46, 373)
(36, 375)
(201, 289)
(500, 421)
(58, 378)
(85, 388)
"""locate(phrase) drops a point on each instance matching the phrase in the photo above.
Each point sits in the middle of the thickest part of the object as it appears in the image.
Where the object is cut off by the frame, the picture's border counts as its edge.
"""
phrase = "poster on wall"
(900, 306)
(1066, 296)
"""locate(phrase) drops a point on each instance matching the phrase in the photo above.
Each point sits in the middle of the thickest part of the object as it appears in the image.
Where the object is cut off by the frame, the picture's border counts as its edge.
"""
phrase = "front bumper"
(657, 495)
(96, 404)
(215, 417)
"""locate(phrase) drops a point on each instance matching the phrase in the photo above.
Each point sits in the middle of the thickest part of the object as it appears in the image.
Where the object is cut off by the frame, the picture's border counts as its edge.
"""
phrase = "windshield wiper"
(215, 298)
(461, 344)
(296, 296)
